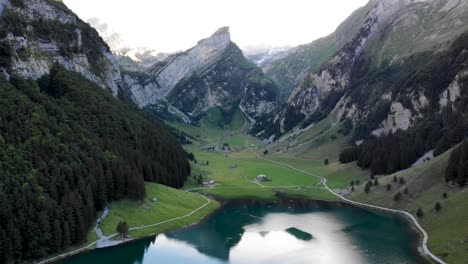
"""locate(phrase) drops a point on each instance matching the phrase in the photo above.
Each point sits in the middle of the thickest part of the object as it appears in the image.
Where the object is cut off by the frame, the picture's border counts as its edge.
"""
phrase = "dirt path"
(324, 182)
(106, 240)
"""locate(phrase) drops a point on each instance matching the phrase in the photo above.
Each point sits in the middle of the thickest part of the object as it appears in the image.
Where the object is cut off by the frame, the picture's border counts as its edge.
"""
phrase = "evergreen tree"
(437, 207)
(397, 197)
(57, 240)
(122, 229)
(376, 182)
(367, 188)
(419, 213)
(402, 181)
(66, 240)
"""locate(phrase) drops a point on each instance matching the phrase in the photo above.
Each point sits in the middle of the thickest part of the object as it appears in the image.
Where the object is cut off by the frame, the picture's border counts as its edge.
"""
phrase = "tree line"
(457, 168)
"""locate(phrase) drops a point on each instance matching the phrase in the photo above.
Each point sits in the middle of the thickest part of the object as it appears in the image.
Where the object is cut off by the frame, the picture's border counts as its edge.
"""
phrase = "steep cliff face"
(35, 34)
(354, 82)
(214, 73)
(419, 36)
(291, 70)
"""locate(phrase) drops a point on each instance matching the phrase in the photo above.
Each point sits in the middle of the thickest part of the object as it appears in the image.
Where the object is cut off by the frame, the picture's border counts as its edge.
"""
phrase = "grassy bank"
(171, 203)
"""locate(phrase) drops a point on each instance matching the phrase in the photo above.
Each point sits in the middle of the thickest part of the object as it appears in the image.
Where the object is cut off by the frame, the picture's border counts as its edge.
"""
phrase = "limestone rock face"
(194, 60)
(54, 34)
(344, 73)
(214, 73)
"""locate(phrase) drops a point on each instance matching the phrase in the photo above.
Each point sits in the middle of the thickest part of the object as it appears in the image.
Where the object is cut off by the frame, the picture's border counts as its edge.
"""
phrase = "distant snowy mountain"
(144, 57)
(262, 54)
(139, 57)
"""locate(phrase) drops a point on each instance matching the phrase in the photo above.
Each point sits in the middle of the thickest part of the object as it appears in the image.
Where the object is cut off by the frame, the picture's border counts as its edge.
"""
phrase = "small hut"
(262, 178)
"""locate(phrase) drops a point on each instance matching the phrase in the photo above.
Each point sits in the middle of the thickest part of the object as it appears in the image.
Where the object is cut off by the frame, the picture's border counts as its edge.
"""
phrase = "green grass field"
(171, 203)
(239, 180)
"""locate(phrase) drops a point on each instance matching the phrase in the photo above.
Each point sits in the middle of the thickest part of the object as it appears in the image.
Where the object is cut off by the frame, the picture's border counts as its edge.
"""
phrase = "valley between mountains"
(105, 148)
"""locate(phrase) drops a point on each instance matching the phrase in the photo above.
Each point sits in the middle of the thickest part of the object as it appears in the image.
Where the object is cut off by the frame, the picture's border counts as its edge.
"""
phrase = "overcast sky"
(172, 25)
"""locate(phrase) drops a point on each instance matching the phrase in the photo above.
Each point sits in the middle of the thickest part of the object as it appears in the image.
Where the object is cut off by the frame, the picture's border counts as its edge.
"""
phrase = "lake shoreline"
(284, 200)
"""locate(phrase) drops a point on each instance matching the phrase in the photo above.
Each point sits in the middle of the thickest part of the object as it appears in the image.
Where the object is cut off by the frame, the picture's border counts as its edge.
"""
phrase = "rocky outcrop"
(452, 92)
(398, 118)
(51, 33)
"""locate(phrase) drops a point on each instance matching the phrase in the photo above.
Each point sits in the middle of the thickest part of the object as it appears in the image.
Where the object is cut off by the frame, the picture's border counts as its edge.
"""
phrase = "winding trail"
(105, 239)
(324, 182)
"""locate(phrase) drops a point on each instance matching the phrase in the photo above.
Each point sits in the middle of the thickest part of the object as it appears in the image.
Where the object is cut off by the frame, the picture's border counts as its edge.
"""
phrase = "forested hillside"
(68, 147)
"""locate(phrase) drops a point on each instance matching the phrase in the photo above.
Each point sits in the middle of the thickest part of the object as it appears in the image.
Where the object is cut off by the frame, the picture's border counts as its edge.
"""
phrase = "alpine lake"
(289, 231)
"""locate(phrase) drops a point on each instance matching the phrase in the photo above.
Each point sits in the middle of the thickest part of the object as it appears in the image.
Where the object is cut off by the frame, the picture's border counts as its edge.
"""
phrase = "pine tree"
(109, 184)
(66, 236)
(397, 197)
(57, 240)
(389, 187)
(419, 213)
(437, 207)
(367, 188)
(122, 229)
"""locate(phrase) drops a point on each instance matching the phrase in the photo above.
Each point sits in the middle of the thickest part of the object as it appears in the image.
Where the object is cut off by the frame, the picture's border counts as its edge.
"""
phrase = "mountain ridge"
(324, 87)
(214, 72)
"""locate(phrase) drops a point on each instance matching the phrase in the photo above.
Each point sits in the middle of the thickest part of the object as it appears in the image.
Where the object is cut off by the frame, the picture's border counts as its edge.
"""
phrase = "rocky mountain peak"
(184, 64)
(218, 40)
(222, 31)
